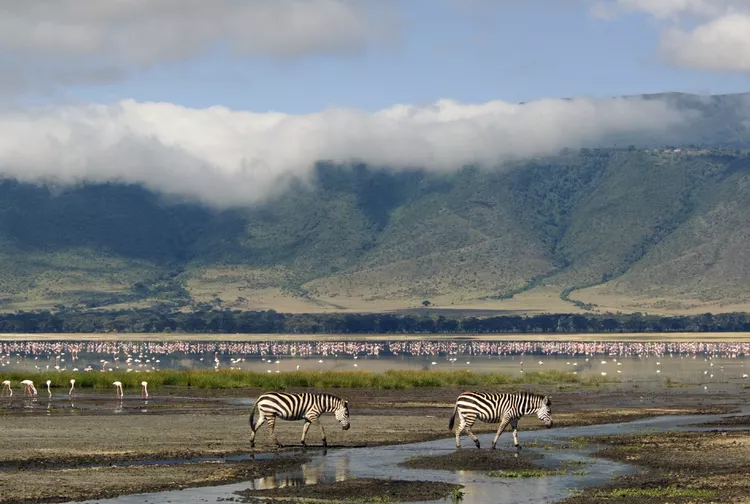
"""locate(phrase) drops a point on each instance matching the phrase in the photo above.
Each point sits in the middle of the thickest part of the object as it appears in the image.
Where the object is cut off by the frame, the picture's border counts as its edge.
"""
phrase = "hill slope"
(631, 228)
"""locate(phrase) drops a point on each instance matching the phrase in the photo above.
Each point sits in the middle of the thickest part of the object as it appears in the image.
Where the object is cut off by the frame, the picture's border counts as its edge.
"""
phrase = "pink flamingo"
(49, 392)
(118, 386)
(30, 388)
(72, 386)
(144, 390)
(6, 386)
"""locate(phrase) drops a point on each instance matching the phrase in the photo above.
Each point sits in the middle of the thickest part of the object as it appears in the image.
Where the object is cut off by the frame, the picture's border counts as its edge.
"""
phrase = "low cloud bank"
(224, 157)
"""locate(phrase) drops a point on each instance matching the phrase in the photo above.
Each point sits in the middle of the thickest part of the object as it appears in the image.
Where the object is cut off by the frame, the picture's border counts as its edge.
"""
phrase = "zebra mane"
(538, 397)
(334, 400)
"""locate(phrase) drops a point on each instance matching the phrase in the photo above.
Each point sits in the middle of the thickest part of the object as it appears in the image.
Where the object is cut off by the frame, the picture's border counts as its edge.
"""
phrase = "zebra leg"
(514, 424)
(304, 431)
(500, 430)
(459, 429)
(466, 424)
(254, 429)
(322, 432)
(461, 426)
(472, 436)
(271, 422)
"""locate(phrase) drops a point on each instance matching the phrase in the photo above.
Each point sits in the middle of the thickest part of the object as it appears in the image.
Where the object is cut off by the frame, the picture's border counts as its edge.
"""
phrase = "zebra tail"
(453, 419)
(252, 416)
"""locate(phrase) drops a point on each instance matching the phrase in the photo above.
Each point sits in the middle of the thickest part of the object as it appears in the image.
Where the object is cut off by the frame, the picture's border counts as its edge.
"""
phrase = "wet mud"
(75, 484)
(357, 490)
(685, 467)
(471, 459)
(742, 420)
(94, 446)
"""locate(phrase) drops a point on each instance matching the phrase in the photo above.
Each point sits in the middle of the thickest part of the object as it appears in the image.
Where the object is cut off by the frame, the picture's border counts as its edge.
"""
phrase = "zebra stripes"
(287, 406)
(503, 408)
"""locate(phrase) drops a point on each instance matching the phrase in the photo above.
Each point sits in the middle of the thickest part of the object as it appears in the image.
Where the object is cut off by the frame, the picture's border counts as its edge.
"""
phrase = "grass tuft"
(228, 379)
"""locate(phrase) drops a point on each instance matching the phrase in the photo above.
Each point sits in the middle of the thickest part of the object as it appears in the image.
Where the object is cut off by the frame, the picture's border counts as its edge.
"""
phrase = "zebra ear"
(346, 404)
(547, 400)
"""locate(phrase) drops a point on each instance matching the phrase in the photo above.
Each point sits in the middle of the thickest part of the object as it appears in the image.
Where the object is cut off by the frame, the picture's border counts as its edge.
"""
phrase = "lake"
(646, 361)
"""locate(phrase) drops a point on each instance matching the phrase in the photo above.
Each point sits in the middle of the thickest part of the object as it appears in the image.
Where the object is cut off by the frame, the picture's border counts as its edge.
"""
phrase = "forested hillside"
(665, 223)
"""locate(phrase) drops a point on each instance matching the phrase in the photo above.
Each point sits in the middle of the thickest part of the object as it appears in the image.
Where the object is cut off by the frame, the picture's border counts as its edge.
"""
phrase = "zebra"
(503, 408)
(287, 406)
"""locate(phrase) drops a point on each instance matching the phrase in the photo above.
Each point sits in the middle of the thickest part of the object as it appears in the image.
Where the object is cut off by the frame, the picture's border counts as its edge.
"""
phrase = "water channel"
(382, 462)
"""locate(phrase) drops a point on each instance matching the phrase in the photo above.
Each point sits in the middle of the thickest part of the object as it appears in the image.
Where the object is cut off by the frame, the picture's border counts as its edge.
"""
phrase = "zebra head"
(544, 411)
(342, 414)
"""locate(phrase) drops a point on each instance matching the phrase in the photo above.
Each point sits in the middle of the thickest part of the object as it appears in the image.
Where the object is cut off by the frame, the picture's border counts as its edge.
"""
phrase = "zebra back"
(294, 406)
(492, 407)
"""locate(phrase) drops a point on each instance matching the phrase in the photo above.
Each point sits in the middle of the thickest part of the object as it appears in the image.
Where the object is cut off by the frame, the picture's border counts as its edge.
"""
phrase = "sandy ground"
(165, 337)
(84, 453)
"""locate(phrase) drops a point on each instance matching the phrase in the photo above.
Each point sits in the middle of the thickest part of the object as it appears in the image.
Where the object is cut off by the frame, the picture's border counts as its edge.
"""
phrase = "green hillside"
(628, 228)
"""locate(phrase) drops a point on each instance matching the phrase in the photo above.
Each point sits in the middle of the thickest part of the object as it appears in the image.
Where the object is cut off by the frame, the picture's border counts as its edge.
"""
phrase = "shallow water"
(382, 462)
(693, 362)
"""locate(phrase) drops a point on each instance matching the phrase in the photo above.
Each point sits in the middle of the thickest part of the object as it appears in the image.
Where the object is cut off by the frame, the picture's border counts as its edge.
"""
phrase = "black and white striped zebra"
(305, 406)
(503, 408)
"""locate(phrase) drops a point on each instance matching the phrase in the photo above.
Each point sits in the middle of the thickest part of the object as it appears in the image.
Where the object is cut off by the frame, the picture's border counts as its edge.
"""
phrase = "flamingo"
(6, 386)
(30, 388)
(144, 390)
(49, 392)
(72, 386)
(118, 386)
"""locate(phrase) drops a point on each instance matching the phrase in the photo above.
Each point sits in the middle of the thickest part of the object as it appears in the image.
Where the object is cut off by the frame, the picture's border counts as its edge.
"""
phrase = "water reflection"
(316, 471)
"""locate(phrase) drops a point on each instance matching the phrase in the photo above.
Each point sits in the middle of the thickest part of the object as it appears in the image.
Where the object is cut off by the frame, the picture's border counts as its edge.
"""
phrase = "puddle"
(382, 462)
(106, 404)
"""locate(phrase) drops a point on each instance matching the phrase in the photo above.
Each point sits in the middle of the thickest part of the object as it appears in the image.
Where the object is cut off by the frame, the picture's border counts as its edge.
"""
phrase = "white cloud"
(226, 157)
(722, 44)
(86, 39)
(147, 31)
(670, 9)
(701, 34)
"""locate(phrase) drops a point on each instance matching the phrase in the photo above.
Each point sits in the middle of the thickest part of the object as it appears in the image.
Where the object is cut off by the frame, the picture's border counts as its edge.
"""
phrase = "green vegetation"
(669, 491)
(663, 223)
(271, 322)
(527, 473)
(222, 379)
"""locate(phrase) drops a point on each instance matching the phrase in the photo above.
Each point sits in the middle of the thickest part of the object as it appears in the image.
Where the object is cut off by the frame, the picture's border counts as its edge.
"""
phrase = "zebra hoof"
(493, 447)
(477, 443)
(325, 444)
(304, 445)
(518, 447)
(252, 444)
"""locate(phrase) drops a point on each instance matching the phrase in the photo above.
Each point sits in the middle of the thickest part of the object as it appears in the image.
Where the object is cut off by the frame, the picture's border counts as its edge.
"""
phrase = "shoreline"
(707, 337)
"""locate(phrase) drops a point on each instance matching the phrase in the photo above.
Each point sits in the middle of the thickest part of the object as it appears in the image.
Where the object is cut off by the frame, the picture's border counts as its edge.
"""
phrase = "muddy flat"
(690, 467)
(89, 451)
(471, 459)
(360, 489)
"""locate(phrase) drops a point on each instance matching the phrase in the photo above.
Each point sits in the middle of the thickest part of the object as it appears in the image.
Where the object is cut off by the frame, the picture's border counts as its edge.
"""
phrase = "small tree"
(426, 303)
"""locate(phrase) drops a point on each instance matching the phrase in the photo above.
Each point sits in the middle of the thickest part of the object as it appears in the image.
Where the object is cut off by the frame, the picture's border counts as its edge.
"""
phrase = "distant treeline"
(226, 321)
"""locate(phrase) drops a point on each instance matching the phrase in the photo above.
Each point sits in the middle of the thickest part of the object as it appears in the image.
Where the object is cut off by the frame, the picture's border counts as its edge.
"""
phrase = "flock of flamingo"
(30, 389)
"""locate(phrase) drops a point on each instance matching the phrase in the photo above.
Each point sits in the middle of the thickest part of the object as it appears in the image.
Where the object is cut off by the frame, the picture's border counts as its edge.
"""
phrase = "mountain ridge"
(599, 228)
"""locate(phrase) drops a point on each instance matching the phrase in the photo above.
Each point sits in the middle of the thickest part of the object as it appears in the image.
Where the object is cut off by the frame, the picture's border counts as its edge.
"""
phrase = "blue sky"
(466, 51)
(222, 100)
